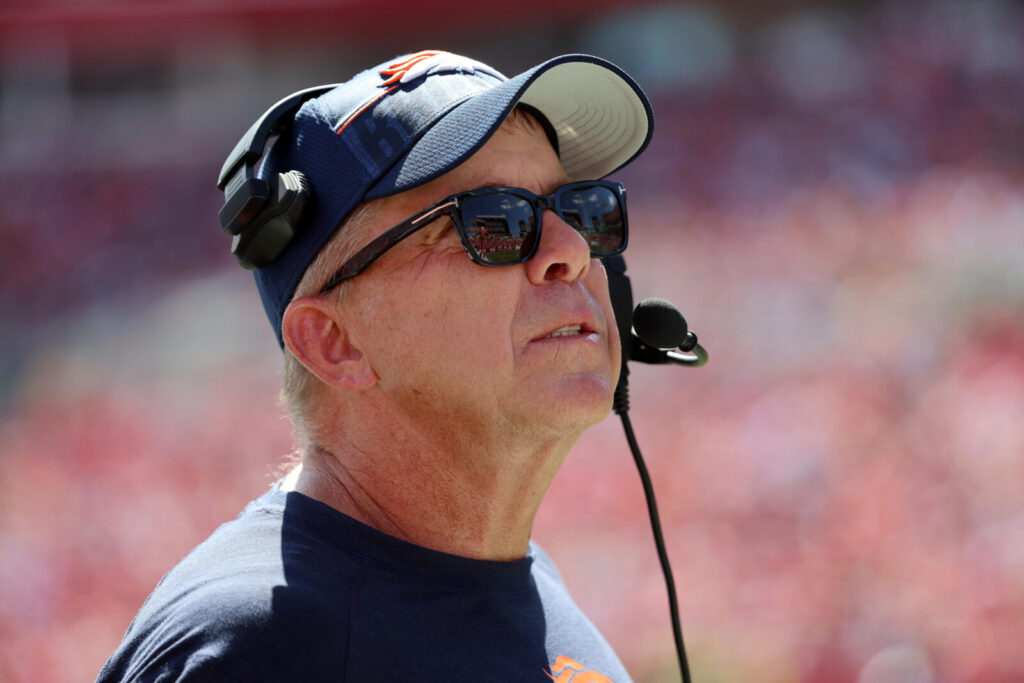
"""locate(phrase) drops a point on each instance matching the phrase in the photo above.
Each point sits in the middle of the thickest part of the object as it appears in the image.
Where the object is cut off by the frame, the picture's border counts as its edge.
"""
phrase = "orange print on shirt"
(568, 670)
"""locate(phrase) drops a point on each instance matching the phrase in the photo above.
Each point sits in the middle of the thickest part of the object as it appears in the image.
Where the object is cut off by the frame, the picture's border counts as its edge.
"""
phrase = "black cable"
(621, 293)
(659, 540)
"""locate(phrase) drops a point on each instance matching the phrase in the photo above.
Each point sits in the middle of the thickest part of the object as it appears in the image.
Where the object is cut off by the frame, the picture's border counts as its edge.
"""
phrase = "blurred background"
(834, 196)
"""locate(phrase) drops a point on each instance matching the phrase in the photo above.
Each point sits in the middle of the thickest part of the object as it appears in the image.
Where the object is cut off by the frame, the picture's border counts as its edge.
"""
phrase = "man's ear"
(314, 331)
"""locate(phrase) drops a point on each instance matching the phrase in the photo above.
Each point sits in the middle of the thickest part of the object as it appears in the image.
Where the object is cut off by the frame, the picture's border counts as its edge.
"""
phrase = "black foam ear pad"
(263, 240)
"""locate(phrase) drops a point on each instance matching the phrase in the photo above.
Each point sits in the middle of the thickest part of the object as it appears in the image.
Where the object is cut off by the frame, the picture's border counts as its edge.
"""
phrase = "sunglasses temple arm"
(377, 247)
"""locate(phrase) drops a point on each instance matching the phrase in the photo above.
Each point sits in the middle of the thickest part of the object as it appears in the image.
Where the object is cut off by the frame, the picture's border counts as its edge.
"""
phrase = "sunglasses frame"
(450, 207)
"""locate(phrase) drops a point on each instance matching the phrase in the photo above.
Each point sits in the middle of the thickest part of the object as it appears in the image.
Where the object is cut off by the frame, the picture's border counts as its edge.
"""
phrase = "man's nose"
(562, 254)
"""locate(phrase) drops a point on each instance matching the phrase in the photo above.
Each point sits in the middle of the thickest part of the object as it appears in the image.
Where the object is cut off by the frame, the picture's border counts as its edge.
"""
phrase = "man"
(444, 349)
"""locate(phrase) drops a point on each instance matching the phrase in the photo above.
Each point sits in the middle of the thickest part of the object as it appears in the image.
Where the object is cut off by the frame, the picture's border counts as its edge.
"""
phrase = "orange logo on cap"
(430, 62)
(394, 73)
(566, 670)
(425, 63)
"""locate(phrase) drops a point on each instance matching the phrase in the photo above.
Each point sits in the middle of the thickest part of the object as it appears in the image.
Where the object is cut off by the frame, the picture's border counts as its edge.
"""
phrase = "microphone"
(659, 323)
(658, 327)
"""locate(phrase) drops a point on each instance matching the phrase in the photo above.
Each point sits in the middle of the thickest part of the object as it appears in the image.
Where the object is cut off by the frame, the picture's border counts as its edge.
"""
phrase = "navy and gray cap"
(410, 120)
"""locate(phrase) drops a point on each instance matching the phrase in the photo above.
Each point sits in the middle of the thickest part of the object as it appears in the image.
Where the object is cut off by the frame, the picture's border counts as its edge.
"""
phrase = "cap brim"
(601, 116)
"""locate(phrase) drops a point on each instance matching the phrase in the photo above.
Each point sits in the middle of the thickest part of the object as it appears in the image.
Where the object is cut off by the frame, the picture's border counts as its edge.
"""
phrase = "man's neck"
(455, 502)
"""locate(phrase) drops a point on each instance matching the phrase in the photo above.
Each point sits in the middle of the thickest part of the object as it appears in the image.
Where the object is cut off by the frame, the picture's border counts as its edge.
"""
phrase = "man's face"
(470, 348)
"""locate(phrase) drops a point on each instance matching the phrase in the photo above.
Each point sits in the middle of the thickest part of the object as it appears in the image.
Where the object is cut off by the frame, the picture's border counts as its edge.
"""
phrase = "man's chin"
(575, 402)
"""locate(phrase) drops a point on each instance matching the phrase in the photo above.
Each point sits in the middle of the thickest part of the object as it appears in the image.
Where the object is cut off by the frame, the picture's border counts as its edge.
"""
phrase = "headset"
(264, 215)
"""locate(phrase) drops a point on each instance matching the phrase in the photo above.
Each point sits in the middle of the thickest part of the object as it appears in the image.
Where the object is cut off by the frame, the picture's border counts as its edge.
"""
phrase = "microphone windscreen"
(659, 323)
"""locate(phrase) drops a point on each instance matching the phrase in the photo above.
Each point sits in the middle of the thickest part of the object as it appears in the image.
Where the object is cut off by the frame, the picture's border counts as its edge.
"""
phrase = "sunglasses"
(500, 226)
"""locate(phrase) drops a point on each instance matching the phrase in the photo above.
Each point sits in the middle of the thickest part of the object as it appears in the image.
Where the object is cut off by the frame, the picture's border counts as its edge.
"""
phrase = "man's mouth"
(568, 330)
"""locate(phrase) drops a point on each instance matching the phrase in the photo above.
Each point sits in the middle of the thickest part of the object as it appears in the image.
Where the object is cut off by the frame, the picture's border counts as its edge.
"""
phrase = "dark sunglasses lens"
(500, 227)
(596, 213)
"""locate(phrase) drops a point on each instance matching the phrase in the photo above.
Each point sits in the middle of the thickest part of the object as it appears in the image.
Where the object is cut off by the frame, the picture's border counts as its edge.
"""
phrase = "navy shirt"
(294, 590)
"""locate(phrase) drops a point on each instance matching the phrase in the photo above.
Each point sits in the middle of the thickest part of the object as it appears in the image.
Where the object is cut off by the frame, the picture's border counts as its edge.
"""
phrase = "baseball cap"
(407, 121)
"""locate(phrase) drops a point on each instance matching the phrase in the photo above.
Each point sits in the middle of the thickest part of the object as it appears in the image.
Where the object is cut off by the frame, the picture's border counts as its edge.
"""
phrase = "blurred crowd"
(841, 486)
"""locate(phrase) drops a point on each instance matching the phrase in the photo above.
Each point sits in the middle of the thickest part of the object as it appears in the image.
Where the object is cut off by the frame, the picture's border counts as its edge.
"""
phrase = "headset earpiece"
(272, 229)
(264, 216)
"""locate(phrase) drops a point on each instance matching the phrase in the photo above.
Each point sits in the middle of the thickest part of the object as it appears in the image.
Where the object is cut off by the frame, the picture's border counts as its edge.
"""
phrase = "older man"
(444, 349)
